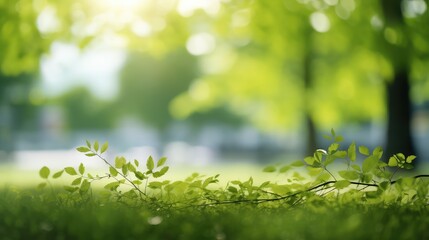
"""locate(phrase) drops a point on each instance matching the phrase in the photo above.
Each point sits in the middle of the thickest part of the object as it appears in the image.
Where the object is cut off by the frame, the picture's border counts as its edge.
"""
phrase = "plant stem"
(122, 175)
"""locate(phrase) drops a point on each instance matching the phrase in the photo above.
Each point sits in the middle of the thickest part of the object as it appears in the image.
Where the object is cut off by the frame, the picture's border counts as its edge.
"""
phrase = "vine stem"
(262, 200)
(122, 175)
(332, 175)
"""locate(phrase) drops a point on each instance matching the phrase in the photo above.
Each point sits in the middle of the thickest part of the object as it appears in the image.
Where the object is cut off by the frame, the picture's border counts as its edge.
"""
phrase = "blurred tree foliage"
(308, 64)
(335, 61)
(84, 111)
(148, 84)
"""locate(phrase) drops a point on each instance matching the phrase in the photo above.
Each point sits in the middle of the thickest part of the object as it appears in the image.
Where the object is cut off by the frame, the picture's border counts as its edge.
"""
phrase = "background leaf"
(44, 172)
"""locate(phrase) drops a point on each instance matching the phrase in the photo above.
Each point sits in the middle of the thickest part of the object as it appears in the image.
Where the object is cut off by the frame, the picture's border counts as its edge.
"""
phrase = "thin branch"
(332, 175)
(263, 200)
(122, 175)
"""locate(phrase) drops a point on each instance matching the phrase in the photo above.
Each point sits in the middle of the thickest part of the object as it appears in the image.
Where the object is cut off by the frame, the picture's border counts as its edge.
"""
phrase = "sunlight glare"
(200, 44)
(141, 28)
(413, 8)
(47, 21)
(186, 8)
(320, 22)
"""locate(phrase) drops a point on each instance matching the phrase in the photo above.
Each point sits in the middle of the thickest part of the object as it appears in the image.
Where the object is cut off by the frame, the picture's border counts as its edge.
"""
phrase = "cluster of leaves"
(365, 178)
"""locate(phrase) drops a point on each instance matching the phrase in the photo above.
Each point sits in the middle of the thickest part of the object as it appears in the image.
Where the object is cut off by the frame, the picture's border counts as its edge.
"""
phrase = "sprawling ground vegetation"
(333, 194)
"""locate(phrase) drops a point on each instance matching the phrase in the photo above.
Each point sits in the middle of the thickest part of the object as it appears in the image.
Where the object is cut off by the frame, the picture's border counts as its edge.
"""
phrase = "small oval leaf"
(70, 171)
(44, 172)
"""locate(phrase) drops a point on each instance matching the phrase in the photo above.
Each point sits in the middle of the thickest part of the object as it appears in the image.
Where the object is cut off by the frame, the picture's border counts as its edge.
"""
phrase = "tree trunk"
(311, 144)
(399, 107)
(399, 135)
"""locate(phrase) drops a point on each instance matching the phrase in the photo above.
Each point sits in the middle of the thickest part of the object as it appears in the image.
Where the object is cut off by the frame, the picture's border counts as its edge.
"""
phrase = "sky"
(67, 66)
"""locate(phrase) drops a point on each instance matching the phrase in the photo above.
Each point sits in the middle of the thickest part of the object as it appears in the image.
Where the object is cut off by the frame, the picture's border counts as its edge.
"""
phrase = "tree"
(400, 49)
(148, 84)
(331, 48)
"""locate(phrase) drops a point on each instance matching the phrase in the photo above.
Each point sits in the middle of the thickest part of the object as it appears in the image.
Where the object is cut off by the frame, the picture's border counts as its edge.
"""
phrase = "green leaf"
(41, 185)
(120, 162)
(104, 147)
(367, 177)
(71, 189)
(96, 146)
(341, 184)
(285, 169)
(318, 155)
(329, 159)
(125, 169)
(333, 147)
(58, 174)
(139, 175)
(232, 189)
(340, 154)
(332, 132)
(88, 144)
(131, 167)
(83, 149)
(137, 182)
(137, 163)
(349, 174)
(44, 172)
(309, 160)
(369, 164)
(401, 156)
(269, 169)
(356, 167)
(164, 170)
(85, 186)
(81, 169)
(313, 171)
(113, 171)
(384, 185)
(236, 182)
(161, 162)
(378, 152)
(324, 177)
(90, 154)
(155, 185)
(264, 184)
(77, 181)
(70, 171)
(364, 150)
(410, 158)
(150, 164)
(352, 152)
(112, 186)
(392, 162)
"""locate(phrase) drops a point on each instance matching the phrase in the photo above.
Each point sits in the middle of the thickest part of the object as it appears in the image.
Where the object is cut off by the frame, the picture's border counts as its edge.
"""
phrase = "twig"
(263, 200)
(122, 175)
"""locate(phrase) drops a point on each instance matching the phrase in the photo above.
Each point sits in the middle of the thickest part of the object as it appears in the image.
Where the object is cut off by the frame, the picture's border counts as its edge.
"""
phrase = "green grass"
(31, 214)
(314, 206)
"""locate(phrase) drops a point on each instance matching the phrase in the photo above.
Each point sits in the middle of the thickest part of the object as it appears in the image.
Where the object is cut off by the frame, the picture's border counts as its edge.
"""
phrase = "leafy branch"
(355, 182)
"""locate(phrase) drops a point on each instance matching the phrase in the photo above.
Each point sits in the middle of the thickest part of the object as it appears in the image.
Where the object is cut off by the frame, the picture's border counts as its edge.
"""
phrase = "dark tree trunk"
(311, 136)
(311, 143)
(399, 135)
(399, 107)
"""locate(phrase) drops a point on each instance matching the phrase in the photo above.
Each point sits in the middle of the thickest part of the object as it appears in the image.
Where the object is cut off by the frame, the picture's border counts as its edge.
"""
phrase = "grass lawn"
(31, 214)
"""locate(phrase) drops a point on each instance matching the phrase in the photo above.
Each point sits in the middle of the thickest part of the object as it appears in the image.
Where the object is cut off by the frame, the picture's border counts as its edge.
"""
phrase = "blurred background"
(211, 81)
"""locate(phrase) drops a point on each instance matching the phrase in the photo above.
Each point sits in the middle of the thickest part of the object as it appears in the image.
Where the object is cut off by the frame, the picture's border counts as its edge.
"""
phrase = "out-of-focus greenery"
(251, 58)
(363, 201)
